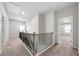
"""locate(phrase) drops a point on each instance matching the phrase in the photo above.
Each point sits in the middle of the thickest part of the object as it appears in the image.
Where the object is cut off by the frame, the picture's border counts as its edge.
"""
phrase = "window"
(22, 28)
(67, 28)
(65, 20)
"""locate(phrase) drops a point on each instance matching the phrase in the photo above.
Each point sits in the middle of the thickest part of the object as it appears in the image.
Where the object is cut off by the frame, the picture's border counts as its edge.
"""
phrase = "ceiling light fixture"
(22, 13)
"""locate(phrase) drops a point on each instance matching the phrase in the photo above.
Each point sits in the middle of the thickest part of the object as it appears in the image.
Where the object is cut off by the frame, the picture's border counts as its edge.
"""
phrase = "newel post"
(34, 43)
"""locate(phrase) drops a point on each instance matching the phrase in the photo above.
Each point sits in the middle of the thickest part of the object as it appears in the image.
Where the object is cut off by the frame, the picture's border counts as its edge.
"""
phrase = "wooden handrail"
(39, 33)
(44, 33)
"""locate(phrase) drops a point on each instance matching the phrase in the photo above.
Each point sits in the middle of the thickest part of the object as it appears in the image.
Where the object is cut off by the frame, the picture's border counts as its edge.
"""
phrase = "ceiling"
(26, 10)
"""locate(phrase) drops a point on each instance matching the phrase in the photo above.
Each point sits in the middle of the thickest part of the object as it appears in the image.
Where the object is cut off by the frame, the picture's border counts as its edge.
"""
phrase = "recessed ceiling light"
(22, 13)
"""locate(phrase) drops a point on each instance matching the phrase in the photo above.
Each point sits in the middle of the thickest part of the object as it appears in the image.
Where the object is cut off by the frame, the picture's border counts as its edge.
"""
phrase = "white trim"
(26, 48)
(44, 50)
(72, 31)
(78, 28)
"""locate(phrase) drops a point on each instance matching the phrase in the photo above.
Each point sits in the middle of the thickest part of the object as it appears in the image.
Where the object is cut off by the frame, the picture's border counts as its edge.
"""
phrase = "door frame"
(71, 27)
(0, 33)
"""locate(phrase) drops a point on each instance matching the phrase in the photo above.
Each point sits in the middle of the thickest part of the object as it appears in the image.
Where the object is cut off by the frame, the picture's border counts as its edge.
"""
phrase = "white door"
(0, 33)
(65, 31)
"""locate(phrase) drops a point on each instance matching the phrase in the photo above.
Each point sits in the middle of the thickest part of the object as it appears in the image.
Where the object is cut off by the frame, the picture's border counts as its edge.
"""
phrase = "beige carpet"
(64, 48)
(59, 50)
(14, 47)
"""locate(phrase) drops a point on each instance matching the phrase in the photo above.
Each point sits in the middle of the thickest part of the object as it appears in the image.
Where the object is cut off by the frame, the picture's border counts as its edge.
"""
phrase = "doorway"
(65, 31)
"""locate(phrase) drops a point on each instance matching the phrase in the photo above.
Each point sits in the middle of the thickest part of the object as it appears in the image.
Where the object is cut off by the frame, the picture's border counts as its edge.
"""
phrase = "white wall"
(42, 24)
(71, 11)
(0, 26)
(32, 24)
(49, 17)
(6, 22)
(14, 28)
(46, 22)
